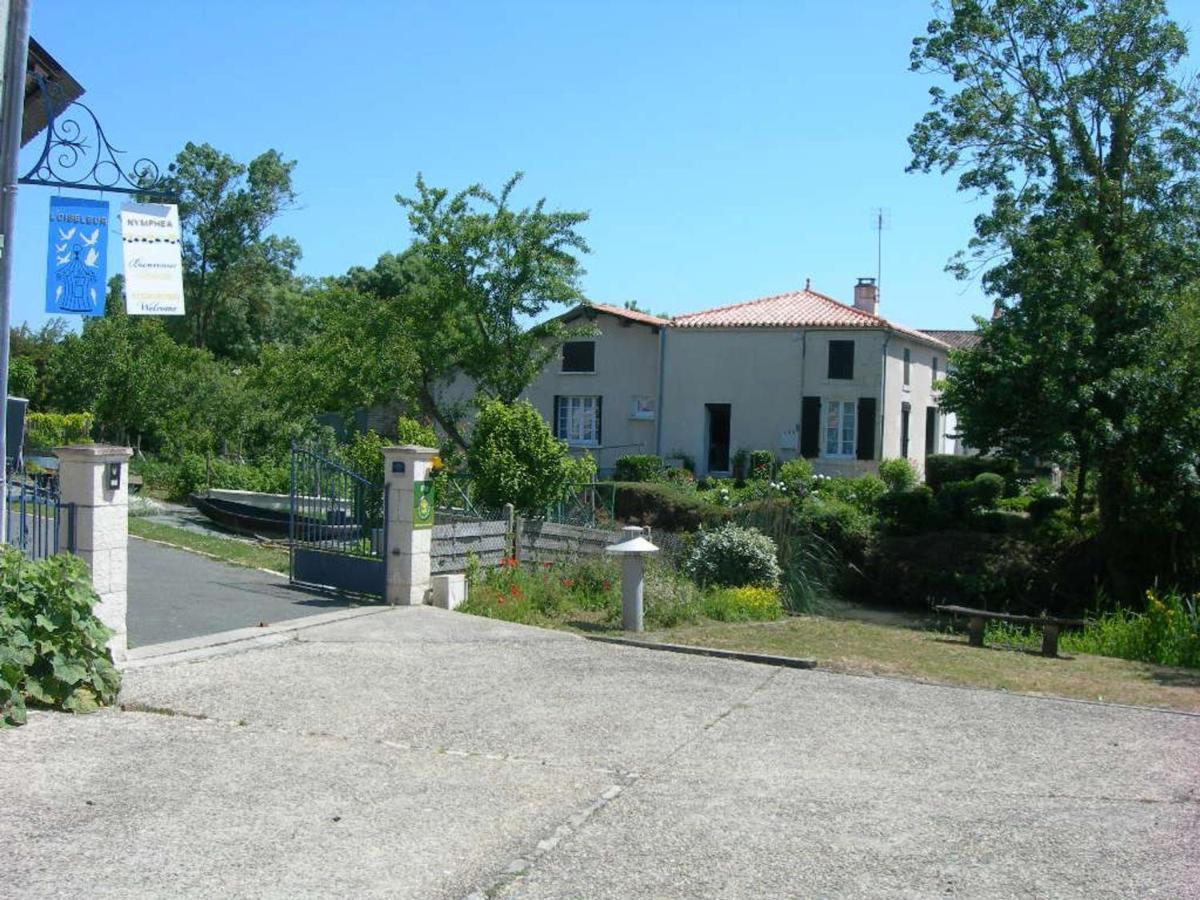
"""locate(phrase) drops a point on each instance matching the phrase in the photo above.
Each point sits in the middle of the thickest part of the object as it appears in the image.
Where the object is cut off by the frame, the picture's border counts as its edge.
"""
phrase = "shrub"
(762, 464)
(410, 431)
(670, 599)
(740, 464)
(988, 488)
(797, 475)
(908, 511)
(515, 458)
(681, 478)
(1015, 504)
(638, 467)
(743, 604)
(46, 430)
(686, 459)
(52, 646)
(733, 556)
(838, 522)
(1167, 633)
(1042, 508)
(942, 468)
(863, 492)
(958, 499)
(898, 474)
(666, 506)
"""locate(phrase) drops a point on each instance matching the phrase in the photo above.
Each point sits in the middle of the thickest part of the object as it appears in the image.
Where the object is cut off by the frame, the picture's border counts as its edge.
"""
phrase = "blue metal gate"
(37, 522)
(337, 527)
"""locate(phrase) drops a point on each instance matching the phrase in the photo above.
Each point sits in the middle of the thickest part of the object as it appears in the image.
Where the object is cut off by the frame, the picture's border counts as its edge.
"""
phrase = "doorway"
(716, 427)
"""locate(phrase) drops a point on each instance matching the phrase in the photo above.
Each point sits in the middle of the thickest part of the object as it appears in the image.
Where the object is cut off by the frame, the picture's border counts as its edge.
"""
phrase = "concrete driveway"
(419, 753)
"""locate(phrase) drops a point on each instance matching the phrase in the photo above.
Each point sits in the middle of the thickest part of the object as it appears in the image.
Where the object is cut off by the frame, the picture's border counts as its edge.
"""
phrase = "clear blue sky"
(724, 150)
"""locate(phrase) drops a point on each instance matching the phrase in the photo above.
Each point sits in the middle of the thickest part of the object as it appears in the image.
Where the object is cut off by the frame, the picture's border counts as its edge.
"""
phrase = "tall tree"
(465, 294)
(233, 268)
(1070, 116)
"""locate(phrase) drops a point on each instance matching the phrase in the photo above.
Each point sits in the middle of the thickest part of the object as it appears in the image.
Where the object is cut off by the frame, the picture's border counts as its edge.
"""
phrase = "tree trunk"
(430, 407)
(1080, 485)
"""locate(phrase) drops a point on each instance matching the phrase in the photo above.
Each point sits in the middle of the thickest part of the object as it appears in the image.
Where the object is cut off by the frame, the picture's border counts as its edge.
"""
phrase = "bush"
(52, 647)
(666, 506)
(410, 431)
(863, 492)
(942, 468)
(638, 467)
(44, 431)
(797, 476)
(988, 488)
(670, 599)
(193, 473)
(906, 512)
(739, 465)
(1042, 508)
(838, 522)
(898, 474)
(681, 478)
(733, 556)
(743, 604)
(762, 464)
(1167, 633)
(515, 458)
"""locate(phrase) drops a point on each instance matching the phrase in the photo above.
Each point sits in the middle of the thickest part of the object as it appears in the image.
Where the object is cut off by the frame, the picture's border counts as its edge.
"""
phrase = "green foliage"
(193, 473)
(514, 458)
(739, 464)
(22, 378)
(53, 651)
(638, 467)
(410, 431)
(906, 512)
(680, 477)
(1167, 633)
(941, 468)
(797, 475)
(666, 506)
(44, 431)
(897, 474)
(988, 488)
(1042, 508)
(840, 523)
(743, 604)
(670, 598)
(762, 464)
(862, 492)
(733, 556)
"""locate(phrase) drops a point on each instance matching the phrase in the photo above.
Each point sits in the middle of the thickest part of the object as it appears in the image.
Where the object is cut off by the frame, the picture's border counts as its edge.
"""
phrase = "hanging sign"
(153, 266)
(77, 261)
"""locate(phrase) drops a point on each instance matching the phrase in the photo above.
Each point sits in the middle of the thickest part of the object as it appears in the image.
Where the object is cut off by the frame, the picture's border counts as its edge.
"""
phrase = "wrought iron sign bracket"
(76, 154)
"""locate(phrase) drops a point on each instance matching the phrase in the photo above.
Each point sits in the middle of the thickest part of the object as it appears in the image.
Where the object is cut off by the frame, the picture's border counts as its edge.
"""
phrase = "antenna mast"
(880, 220)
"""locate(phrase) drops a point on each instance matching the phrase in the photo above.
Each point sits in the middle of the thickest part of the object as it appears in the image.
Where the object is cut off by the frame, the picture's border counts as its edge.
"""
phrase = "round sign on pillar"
(423, 504)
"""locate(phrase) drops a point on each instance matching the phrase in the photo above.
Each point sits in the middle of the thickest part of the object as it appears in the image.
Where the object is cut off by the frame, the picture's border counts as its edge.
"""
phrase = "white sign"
(643, 408)
(153, 264)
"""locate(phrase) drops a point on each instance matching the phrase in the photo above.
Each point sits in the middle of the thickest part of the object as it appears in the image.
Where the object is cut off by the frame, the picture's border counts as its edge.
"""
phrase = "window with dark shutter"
(810, 427)
(556, 423)
(579, 356)
(866, 428)
(907, 367)
(905, 409)
(841, 359)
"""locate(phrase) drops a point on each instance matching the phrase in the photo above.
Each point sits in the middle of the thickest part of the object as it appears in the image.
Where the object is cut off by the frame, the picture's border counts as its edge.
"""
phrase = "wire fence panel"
(37, 522)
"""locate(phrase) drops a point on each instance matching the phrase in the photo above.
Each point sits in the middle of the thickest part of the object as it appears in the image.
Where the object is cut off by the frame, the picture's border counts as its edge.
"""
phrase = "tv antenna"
(881, 219)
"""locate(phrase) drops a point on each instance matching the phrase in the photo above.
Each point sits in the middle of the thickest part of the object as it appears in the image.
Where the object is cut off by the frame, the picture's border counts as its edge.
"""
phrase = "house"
(801, 374)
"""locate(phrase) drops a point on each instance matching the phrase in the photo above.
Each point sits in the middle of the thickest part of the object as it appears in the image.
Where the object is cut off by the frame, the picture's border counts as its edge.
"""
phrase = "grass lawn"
(241, 553)
(870, 648)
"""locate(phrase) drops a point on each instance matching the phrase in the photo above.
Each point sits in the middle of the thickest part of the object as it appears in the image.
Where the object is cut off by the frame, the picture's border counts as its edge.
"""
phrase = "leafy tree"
(35, 348)
(461, 298)
(514, 458)
(1069, 115)
(22, 377)
(233, 269)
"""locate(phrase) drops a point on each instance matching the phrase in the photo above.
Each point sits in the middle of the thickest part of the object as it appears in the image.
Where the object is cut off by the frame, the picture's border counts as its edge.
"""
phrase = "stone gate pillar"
(95, 478)
(407, 472)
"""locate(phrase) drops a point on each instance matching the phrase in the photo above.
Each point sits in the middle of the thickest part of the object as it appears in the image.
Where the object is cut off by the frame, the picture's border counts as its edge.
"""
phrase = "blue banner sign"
(77, 261)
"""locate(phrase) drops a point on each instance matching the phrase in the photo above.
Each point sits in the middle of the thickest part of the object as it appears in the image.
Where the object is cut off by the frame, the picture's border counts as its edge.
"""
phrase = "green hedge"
(638, 467)
(44, 431)
(665, 506)
(942, 468)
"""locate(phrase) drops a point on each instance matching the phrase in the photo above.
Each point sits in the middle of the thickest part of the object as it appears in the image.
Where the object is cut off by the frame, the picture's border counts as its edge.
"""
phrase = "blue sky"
(724, 150)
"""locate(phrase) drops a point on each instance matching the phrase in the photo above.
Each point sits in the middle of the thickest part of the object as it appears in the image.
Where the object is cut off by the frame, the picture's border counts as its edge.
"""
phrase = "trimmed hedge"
(638, 467)
(943, 468)
(666, 506)
(44, 431)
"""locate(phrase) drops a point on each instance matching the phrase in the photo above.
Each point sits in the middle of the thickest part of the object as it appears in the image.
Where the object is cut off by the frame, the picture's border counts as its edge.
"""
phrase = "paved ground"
(174, 594)
(419, 753)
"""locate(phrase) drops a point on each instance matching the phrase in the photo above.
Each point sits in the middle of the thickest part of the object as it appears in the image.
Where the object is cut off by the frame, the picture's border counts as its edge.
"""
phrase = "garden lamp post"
(633, 550)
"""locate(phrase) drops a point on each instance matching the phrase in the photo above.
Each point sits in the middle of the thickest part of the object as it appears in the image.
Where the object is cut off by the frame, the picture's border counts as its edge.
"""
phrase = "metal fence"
(37, 522)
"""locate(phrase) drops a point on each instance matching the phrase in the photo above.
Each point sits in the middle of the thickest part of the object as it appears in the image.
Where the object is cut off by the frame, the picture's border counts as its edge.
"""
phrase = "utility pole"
(12, 108)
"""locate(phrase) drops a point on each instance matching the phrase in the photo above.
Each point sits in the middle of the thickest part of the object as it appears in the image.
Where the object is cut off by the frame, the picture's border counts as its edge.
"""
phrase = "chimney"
(866, 296)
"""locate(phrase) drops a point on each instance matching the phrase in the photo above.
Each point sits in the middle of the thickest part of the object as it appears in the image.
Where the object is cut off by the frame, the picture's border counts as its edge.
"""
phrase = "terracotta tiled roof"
(635, 315)
(965, 339)
(798, 309)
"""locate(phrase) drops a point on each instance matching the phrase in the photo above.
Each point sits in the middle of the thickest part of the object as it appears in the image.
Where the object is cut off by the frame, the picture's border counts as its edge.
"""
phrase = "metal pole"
(16, 58)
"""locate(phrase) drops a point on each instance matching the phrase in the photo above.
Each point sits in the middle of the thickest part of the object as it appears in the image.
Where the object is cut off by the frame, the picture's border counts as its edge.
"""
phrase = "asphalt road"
(174, 594)
(418, 753)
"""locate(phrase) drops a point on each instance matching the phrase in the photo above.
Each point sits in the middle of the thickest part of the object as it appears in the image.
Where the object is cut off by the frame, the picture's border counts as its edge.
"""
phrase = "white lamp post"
(632, 549)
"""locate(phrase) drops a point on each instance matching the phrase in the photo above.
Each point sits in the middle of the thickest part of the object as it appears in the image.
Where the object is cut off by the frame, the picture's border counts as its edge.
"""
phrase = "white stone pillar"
(407, 472)
(95, 478)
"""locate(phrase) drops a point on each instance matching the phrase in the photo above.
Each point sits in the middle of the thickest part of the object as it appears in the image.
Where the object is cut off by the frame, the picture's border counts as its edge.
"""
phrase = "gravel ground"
(418, 753)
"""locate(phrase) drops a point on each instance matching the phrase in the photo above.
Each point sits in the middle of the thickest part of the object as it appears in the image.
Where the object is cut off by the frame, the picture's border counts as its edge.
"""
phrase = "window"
(905, 409)
(935, 371)
(907, 367)
(841, 431)
(841, 359)
(577, 420)
(579, 356)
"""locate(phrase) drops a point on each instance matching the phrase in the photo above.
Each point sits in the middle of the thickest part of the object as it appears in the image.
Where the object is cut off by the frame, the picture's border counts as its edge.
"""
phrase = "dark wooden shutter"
(866, 428)
(841, 359)
(554, 417)
(599, 421)
(810, 427)
(930, 428)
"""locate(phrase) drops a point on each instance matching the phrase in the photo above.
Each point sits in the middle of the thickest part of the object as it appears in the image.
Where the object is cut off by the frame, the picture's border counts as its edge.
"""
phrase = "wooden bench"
(1050, 627)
